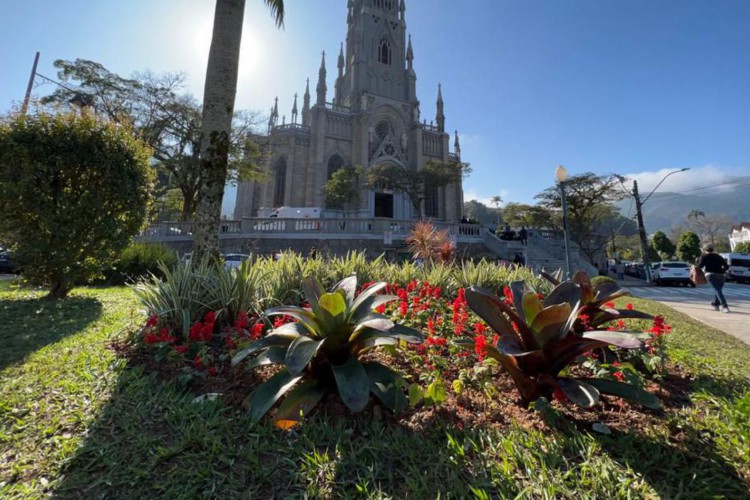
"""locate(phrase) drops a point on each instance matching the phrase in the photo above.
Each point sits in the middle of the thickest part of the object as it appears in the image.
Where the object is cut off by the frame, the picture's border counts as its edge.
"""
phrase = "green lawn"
(76, 421)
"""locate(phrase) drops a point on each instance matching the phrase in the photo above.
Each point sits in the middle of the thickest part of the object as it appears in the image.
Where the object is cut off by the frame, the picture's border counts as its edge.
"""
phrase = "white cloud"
(471, 194)
(691, 181)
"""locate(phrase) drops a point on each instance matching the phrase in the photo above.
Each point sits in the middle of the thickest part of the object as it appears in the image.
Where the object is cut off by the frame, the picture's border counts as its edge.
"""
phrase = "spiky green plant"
(593, 300)
(320, 353)
(536, 343)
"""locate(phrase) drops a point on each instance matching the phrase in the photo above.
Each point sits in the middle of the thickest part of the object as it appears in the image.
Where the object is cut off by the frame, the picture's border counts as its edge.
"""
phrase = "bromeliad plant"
(321, 352)
(596, 306)
(537, 342)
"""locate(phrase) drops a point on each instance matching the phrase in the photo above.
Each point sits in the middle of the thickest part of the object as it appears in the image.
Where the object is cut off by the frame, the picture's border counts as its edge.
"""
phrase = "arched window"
(384, 51)
(280, 184)
(385, 4)
(335, 163)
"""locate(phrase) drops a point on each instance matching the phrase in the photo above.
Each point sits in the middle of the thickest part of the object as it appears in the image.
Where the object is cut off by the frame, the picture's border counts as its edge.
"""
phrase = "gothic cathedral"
(373, 118)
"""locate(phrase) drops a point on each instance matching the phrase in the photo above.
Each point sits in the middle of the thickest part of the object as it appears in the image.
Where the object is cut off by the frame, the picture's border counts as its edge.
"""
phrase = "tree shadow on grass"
(27, 325)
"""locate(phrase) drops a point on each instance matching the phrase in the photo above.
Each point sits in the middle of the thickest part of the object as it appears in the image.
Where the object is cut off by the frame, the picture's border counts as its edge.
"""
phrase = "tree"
(590, 200)
(342, 189)
(520, 214)
(74, 190)
(417, 183)
(743, 247)
(711, 228)
(477, 211)
(162, 115)
(219, 94)
(688, 246)
(497, 200)
(662, 245)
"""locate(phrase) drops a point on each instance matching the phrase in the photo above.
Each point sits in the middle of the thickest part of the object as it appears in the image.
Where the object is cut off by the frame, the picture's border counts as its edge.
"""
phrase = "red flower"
(242, 321)
(629, 307)
(210, 317)
(257, 331)
(198, 363)
(620, 376)
(152, 321)
(609, 304)
(380, 308)
(403, 307)
(559, 395)
(182, 349)
(480, 347)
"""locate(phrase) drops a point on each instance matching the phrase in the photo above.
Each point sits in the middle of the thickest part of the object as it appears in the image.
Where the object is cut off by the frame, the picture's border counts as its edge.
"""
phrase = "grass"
(77, 421)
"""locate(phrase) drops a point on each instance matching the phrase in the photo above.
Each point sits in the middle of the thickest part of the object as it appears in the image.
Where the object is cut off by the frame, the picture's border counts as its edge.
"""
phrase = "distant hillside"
(665, 210)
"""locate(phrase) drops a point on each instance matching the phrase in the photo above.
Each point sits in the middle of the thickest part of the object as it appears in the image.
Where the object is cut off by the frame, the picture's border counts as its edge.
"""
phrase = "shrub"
(74, 190)
(597, 280)
(139, 261)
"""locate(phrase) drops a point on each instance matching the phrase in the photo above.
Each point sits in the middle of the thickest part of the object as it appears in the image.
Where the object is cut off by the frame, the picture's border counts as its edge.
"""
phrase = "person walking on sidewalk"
(715, 266)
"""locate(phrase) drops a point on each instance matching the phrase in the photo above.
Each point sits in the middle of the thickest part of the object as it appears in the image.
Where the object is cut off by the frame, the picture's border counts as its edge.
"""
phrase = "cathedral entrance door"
(384, 205)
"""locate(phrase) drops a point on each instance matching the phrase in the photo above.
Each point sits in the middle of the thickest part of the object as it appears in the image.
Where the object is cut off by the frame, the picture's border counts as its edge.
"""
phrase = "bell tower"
(376, 52)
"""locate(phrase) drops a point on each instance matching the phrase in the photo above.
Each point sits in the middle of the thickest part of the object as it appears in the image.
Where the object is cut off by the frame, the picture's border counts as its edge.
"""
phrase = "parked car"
(233, 260)
(739, 267)
(672, 273)
(6, 262)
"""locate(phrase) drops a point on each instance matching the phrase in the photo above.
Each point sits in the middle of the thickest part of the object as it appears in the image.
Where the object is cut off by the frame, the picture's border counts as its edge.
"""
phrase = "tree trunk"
(218, 106)
(58, 290)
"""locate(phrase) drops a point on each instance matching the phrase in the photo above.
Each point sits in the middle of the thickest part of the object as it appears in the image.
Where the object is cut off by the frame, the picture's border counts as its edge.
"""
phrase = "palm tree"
(496, 200)
(219, 93)
(695, 213)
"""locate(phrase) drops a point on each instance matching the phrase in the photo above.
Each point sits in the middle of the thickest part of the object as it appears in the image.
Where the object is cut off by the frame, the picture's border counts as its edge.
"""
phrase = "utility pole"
(642, 232)
(26, 97)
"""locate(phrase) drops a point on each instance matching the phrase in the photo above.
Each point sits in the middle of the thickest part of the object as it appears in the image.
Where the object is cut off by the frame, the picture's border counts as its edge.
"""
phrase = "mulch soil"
(471, 408)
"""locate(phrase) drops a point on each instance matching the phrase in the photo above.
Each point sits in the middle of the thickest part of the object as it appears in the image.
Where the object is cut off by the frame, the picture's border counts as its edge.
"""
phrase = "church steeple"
(409, 56)
(322, 89)
(402, 9)
(294, 110)
(306, 105)
(340, 79)
(440, 117)
(457, 146)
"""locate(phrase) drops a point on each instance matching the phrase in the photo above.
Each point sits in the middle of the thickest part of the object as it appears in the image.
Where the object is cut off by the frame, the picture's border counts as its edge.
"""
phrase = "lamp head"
(561, 173)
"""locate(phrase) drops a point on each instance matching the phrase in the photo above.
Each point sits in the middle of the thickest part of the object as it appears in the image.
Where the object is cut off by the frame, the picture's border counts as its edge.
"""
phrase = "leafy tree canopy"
(689, 246)
(342, 189)
(74, 190)
(743, 247)
(590, 199)
(663, 245)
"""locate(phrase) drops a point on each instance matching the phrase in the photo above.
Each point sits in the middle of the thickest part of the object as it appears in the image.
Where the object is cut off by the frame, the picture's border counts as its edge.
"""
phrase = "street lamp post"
(561, 174)
(639, 218)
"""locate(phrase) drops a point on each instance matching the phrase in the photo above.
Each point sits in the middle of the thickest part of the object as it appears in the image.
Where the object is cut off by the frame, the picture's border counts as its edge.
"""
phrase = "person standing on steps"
(715, 266)
(524, 235)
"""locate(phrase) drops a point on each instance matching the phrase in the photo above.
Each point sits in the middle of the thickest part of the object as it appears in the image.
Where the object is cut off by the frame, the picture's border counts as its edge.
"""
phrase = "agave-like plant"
(320, 352)
(536, 343)
(593, 310)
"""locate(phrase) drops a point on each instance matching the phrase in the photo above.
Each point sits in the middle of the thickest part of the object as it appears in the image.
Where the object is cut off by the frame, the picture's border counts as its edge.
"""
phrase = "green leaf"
(566, 292)
(267, 341)
(299, 403)
(386, 386)
(332, 307)
(366, 301)
(349, 287)
(519, 288)
(493, 310)
(377, 322)
(267, 394)
(416, 394)
(627, 391)
(607, 291)
(549, 323)
(270, 356)
(531, 306)
(601, 428)
(313, 290)
(353, 384)
(436, 393)
(618, 338)
(300, 352)
(304, 316)
(579, 392)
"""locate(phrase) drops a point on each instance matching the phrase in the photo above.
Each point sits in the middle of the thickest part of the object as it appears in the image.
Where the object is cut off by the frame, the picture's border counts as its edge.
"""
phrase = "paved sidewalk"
(694, 302)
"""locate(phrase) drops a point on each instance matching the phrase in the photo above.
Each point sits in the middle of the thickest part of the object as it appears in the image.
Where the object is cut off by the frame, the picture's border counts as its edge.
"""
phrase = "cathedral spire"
(322, 89)
(341, 61)
(457, 146)
(409, 55)
(440, 117)
(294, 110)
(306, 105)
(402, 9)
(270, 120)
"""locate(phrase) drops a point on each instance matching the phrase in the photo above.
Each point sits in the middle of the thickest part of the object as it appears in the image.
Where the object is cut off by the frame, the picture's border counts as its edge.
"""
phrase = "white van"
(739, 267)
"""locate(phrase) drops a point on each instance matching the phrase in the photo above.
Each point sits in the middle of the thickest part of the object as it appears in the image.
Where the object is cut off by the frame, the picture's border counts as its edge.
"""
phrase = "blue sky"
(635, 87)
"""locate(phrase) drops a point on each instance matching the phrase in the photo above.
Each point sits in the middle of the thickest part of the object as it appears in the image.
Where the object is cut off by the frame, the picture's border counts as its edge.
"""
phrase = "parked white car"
(667, 273)
(233, 260)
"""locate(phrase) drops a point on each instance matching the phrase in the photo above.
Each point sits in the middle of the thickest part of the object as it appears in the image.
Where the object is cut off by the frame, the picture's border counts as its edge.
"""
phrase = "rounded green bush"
(140, 260)
(597, 280)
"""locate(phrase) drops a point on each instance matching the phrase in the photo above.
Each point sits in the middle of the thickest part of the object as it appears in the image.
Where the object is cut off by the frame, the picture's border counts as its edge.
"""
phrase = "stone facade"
(374, 118)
